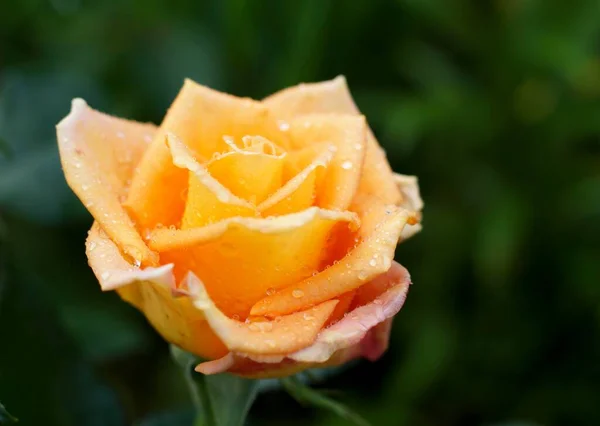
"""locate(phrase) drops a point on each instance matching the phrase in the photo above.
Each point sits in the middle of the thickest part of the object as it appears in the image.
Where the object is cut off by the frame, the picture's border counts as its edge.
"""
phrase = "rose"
(259, 235)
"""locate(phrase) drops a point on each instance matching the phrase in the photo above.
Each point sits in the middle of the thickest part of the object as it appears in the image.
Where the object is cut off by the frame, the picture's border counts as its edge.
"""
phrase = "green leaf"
(221, 399)
(6, 417)
(305, 395)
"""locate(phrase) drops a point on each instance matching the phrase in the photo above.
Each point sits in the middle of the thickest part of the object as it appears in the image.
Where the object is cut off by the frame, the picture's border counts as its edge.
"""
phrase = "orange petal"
(371, 257)
(281, 336)
(362, 332)
(334, 97)
(354, 327)
(248, 173)
(242, 259)
(98, 154)
(208, 200)
(347, 134)
(150, 291)
(298, 193)
(200, 117)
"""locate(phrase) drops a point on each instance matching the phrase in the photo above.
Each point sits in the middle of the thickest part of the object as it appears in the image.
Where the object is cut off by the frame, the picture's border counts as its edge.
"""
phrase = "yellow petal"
(150, 291)
(240, 260)
(334, 97)
(347, 133)
(200, 117)
(280, 336)
(207, 200)
(98, 153)
(299, 192)
(249, 173)
(371, 257)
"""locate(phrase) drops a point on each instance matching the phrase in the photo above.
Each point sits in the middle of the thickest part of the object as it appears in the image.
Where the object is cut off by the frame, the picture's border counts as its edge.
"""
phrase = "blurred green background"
(495, 105)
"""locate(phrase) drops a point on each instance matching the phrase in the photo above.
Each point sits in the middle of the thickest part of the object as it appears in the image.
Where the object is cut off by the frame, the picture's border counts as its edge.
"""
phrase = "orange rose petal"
(282, 335)
(200, 117)
(334, 97)
(347, 133)
(208, 200)
(364, 331)
(150, 291)
(240, 260)
(98, 154)
(344, 303)
(248, 173)
(298, 193)
(353, 328)
(371, 257)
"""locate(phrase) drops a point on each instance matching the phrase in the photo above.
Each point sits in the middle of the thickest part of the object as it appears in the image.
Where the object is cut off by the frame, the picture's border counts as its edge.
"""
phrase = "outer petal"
(240, 260)
(371, 257)
(334, 97)
(98, 153)
(348, 134)
(200, 117)
(411, 200)
(362, 332)
(390, 291)
(281, 336)
(207, 200)
(150, 291)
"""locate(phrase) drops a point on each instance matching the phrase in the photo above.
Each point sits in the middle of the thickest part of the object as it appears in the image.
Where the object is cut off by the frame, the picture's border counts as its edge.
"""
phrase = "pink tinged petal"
(268, 341)
(353, 328)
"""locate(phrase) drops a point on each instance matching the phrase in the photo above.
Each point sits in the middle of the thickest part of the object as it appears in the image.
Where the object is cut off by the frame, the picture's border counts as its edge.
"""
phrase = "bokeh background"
(495, 105)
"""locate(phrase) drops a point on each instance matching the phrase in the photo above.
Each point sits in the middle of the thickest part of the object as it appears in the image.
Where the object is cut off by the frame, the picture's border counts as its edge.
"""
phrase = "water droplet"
(362, 275)
(347, 165)
(358, 147)
(92, 245)
(147, 138)
(85, 187)
(120, 135)
(284, 126)
(297, 293)
(105, 275)
(308, 317)
(377, 302)
(270, 343)
(235, 317)
(373, 262)
(137, 263)
(78, 165)
(270, 291)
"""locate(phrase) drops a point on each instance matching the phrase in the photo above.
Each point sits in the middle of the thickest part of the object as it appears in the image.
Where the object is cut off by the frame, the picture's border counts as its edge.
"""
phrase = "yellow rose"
(257, 234)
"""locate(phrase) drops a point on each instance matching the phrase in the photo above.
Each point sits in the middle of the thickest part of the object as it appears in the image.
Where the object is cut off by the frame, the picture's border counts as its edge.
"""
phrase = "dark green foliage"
(495, 105)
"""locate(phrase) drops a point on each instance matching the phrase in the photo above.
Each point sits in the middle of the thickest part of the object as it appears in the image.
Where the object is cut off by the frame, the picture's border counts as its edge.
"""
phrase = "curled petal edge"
(363, 332)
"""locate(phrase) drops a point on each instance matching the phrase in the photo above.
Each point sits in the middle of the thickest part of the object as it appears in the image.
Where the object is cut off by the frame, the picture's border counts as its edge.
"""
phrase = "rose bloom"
(258, 235)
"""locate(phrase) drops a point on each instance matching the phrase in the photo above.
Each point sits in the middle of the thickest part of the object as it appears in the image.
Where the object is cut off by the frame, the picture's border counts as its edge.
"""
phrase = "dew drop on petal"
(235, 317)
(362, 275)
(105, 275)
(270, 291)
(297, 293)
(347, 165)
(92, 245)
(284, 126)
(373, 262)
(120, 135)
